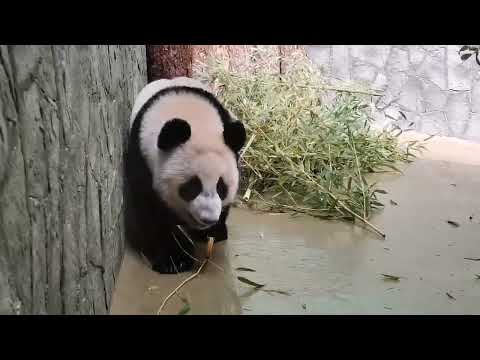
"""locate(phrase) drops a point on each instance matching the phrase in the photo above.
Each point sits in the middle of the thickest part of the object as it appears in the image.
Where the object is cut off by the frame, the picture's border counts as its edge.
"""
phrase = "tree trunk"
(169, 61)
(64, 117)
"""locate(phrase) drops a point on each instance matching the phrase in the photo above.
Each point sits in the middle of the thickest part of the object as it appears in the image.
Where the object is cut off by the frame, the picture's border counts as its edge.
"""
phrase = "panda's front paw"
(173, 265)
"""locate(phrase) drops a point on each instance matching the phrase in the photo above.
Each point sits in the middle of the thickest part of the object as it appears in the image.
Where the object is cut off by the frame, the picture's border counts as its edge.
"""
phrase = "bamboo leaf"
(277, 292)
(472, 259)
(185, 310)
(244, 269)
(250, 282)
(391, 277)
(453, 223)
(304, 156)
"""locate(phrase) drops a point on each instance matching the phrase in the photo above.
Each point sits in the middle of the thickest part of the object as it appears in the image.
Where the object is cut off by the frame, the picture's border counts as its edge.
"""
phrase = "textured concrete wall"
(64, 116)
(430, 85)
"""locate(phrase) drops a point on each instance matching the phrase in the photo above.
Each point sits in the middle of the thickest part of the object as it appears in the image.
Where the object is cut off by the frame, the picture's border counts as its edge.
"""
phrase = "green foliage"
(303, 156)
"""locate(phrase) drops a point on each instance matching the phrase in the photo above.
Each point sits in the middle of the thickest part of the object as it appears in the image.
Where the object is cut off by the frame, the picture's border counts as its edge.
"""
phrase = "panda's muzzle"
(205, 209)
(208, 221)
(203, 223)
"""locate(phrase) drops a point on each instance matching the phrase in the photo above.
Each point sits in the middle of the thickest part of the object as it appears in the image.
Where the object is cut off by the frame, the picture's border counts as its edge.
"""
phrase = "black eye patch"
(222, 189)
(190, 190)
(174, 133)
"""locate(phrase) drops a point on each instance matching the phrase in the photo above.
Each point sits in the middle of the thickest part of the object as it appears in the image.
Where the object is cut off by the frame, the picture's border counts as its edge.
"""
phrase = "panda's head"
(191, 145)
(197, 181)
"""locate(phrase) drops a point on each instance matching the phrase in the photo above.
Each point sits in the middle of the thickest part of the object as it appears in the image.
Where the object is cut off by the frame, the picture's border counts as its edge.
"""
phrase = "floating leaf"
(391, 277)
(478, 276)
(472, 259)
(450, 296)
(244, 269)
(403, 115)
(381, 191)
(304, 307)
(277, 292)
(185, 310)
(393, 203)
(249, 282)
(465, 56)
(463, 48)
(376, 203)
(453, 223)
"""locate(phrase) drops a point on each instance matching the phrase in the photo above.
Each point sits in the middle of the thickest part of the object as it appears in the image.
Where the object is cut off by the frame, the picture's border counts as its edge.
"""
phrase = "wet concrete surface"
(141, 291)
(328, 267)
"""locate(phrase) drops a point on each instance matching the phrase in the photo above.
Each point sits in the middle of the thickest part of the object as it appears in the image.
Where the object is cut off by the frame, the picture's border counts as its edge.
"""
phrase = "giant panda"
(181, 169)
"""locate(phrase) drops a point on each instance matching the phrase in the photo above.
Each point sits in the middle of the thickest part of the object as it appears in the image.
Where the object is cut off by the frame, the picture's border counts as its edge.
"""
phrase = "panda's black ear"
(234, 135)
(174, 133)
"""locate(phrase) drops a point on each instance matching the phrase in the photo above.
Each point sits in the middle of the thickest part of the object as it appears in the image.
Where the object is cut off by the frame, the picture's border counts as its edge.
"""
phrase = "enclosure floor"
(331, 267)
(141, 291)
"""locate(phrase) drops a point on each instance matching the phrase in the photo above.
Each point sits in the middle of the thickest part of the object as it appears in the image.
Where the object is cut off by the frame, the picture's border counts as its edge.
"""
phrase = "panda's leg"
(172, 254)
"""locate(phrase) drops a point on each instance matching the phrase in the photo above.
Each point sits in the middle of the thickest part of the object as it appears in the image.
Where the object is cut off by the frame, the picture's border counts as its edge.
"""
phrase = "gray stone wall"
(64, 117)
(435, 91)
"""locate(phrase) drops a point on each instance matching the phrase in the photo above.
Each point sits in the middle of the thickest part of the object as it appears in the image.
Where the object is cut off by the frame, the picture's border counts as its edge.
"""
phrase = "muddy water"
(335, 268)
(141, 291)
(326, 267)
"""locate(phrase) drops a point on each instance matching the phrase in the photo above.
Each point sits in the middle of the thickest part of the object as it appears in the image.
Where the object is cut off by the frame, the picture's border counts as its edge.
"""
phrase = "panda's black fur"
(151, 227)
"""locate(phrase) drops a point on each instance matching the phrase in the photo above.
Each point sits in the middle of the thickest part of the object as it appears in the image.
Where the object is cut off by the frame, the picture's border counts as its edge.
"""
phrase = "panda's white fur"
(204, 155)
(155, 86)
